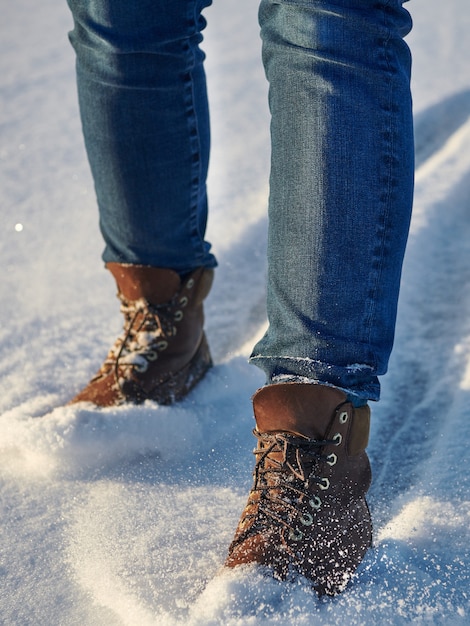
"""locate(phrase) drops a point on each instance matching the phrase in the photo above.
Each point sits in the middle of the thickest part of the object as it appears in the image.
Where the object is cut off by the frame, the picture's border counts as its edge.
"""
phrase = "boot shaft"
(321, 415)
(158, 285)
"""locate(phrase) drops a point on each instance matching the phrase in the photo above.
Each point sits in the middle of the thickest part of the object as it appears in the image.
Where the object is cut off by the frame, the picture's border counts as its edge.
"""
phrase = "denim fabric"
(341, 176)
(341, 188)
(143, 104)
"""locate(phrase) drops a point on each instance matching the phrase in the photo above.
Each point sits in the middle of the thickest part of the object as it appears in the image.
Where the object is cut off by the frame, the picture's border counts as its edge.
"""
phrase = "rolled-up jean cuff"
(356, 380)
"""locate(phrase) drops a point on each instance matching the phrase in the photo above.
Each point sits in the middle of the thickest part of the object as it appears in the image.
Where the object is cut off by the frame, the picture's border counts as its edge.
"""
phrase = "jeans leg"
(340, 190)
(145, 118)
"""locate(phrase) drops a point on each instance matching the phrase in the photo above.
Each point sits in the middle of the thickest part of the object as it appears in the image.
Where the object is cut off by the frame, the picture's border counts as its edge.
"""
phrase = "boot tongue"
(157, 285)
(303, 409)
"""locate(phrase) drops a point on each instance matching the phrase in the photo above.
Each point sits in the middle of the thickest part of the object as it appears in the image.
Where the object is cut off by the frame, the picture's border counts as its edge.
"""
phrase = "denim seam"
(387, 194)
(194, 145)
(353, 367)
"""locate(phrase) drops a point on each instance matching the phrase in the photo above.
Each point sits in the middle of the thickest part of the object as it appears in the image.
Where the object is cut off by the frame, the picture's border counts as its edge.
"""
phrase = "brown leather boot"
(162, 352)
(306, 511)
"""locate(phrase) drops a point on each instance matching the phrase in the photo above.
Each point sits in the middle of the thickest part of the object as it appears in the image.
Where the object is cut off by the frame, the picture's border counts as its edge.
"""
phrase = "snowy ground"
(123, 517)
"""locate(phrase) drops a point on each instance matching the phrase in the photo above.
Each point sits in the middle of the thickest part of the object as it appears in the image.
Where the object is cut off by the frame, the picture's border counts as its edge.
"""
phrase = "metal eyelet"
(151, 356)
(190, 283)
(295, 535)
(178, 316)
(332, 459)
(338, 439)
(324, 484)
(184, 301)
(315, 503)
(162, 345)
(141, 367)
(343, 417)
(306, 519)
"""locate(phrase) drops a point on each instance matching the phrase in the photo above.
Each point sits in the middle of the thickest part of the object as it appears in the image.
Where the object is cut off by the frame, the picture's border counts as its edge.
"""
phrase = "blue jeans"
(145, 119)
(341, 174)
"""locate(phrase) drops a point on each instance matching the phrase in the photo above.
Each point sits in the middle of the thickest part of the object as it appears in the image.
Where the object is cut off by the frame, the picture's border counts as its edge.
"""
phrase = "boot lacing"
(147, 331)
(285, 484)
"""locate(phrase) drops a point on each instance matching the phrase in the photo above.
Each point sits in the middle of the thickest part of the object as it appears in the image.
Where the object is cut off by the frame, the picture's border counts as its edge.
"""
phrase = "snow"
(123, 516)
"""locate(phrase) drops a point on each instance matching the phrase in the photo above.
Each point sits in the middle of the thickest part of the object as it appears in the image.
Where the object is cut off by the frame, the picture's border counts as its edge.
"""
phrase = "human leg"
(143, 104)
(144, 112)
(341, 188)
(340, 205)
